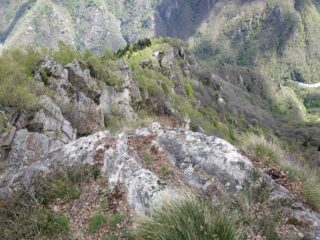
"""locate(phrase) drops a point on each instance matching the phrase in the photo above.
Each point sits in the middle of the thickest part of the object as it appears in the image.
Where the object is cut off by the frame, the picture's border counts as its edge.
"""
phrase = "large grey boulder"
(27, 147)
(46, 132)
(205, 163)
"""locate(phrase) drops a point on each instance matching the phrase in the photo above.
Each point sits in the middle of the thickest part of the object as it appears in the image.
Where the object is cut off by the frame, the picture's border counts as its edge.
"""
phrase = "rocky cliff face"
(77, 106)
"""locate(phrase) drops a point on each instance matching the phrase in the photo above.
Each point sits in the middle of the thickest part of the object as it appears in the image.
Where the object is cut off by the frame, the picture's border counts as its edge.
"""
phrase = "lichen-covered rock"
(27, 147)
(77, 93)
(117, 102)
(214, 156)
(205, 163)
(49, 120)
(121, 99)
(81, 80)
(84, 114)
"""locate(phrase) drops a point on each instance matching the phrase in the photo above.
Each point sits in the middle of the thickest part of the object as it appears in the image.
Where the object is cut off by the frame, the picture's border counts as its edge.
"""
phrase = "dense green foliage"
(16, 73)
(140, 45)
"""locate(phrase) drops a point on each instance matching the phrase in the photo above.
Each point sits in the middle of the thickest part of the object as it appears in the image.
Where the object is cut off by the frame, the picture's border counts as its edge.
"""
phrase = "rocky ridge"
(66, 129)
(207, 164)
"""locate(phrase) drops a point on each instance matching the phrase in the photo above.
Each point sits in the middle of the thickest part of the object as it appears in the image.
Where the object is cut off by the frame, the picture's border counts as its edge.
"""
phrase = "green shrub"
(310, 187)
(142, 44)
(130, 48)
(110, 237)
(165, 169)
(102, 67)
(96, 222)
(189, 89)
(114, 123)
(270, 152)
(128, 234)
(17, 89)
(186, 217)
(26, 215)
(21, 217)
(65, 53)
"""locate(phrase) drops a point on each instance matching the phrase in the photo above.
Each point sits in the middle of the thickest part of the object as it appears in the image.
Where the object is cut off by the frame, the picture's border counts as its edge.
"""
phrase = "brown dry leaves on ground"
(94, 199)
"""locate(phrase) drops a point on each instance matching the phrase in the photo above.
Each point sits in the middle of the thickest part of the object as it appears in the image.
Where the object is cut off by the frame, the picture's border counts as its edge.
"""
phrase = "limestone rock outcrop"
(204, 163)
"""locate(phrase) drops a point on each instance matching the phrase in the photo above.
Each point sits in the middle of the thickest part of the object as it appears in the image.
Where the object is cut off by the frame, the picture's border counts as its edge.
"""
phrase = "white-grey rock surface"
(205, 163)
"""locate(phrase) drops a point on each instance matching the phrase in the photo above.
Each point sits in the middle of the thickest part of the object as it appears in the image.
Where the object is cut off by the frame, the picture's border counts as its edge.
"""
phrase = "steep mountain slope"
(244, 73)
(74, 162)
(280, 38)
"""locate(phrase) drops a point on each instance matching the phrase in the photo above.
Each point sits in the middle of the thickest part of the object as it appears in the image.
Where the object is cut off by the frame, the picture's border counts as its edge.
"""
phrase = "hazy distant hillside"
(280, 38)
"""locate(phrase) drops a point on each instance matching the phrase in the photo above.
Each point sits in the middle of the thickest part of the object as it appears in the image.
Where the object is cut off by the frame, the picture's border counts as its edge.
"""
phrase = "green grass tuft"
(96, 222)
(148, 158)
(186, 218)
(116, 219)
(267, 151)
(52, 224)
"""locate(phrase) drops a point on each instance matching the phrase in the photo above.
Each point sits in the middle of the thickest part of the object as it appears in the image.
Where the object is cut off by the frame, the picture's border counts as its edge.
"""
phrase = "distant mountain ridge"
(280, 38)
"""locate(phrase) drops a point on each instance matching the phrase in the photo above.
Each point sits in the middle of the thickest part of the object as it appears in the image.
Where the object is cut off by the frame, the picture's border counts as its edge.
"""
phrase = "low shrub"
(116, 219)
(310, 187)
(21, 217)
(16, 71)
(189, 89)
(102, 67)
(65, 53)
(52, 224)
(148, 158)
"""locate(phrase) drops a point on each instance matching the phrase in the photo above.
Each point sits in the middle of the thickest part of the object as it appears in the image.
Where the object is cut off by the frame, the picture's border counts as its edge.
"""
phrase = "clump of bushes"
(65, 184)
(96, 222)
(65, 53)
(140, 45)
(102, 67)
(16, 71)
(186, 217)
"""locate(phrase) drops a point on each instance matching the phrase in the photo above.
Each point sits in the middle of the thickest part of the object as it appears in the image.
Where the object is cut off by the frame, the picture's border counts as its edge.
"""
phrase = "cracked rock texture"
(205, 163)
